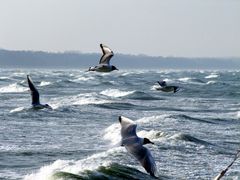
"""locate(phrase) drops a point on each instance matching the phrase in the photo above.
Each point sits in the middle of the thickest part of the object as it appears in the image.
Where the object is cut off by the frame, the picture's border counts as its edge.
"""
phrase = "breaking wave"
(13, 88)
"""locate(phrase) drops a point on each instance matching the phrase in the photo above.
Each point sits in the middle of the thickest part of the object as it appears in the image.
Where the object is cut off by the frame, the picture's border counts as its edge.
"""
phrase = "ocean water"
(196, 130)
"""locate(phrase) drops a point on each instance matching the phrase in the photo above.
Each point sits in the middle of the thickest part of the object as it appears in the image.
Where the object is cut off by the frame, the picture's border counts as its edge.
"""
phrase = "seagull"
(165, 88)
(134, 145)
(104, 63)
(35, 96)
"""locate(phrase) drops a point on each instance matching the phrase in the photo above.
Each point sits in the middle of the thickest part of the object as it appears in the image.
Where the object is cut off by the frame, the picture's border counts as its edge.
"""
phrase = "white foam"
(82, 78)
(213, 75)
(74, 167)
(44, 83)
(112, 133)
(88, 99)
(18, 73)
(185, 79)
(17, 109)
(80, 99)
(238, 115)
(167, 80)
(116, 93)
(13, 88)
(151, 119)
(3, 78)
(152, 134)
(211, 82)
(126, 73)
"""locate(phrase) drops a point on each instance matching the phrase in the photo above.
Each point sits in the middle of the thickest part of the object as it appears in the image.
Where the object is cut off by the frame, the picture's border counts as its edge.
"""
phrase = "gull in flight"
(104, 63)
(134, 145)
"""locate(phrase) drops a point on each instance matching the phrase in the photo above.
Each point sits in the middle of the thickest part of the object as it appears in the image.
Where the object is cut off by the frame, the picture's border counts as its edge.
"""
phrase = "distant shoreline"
(75, 60)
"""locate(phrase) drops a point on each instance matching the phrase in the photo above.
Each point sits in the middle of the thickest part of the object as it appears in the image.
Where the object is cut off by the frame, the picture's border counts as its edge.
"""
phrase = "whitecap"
(167, 80)
(152, 119)
(238, 115)
(74, 167)
(116, 93)
(84, 99)
(212, 76)
(152, 134)
(112, 134)
(18, 73)
(17, 109)
(4, 78)
(126, 73)
(13, 88)
(154, 87)
(44, 83)
(185, 79)
(211, 82)
(80, 99)
(82, 78)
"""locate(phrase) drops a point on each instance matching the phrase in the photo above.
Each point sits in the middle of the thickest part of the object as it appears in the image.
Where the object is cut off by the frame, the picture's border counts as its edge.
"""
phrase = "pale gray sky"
(190, 28)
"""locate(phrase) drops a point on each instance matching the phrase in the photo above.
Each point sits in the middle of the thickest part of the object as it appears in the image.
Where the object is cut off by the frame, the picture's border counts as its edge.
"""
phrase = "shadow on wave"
(189, 138)
(121, 106)
(113, 171)
(183, 116)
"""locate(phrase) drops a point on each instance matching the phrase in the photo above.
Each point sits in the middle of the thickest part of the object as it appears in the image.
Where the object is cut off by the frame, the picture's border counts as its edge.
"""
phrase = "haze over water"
(195, 131)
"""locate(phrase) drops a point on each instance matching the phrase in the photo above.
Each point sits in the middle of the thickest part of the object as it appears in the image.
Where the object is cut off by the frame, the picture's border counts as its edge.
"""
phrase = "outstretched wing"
(107, 54)
(144, 156)
(128, 127)
(34, 91)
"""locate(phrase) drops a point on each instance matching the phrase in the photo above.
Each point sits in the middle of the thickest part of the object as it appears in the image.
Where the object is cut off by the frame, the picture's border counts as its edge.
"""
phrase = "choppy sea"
(196, 131)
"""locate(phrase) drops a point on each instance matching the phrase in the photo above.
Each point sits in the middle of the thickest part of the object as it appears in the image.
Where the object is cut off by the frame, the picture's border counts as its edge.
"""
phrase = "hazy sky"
(192, 28)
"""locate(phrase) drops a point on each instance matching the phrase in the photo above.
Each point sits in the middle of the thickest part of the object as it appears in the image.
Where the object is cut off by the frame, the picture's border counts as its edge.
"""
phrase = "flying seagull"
(35, 96)
(134, 145)
(104, 63)
(165, 88)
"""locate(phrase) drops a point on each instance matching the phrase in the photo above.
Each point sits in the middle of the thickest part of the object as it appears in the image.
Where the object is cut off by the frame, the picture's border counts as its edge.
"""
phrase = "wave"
(44, 83)
(112, 134)
(119, 106)
(116, 93)
(211, 82)
(75, 167)
(157, 118)
(82, 78)
(191, 80)
(96, 166)
(19, 109)
(109, 171)
(80, 99)
(183, 116)
(4, 78)
(189, 138)
(211, 76)
(238, 115)
(154, 87)
(139, 95)
(13, 88)
(112, 171)
(185, 79)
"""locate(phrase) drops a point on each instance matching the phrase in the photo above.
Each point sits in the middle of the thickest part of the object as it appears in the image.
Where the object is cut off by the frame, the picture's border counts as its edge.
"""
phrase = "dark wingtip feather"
(120, 119)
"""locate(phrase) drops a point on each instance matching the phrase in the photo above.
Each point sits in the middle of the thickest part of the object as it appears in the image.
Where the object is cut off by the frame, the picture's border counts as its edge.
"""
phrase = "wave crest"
(13, 88)
(116, 93)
